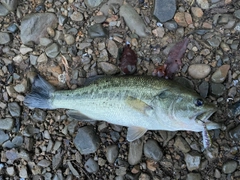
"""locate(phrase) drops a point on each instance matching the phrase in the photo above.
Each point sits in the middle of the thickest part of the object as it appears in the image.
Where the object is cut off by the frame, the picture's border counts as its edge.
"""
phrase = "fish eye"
(198, 102)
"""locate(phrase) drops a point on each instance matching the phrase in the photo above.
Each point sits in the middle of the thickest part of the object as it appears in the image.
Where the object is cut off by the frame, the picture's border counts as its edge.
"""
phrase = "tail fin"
(40, 96)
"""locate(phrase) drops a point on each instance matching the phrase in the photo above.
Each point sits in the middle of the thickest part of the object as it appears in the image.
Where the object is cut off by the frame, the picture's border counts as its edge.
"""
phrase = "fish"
(140, 103)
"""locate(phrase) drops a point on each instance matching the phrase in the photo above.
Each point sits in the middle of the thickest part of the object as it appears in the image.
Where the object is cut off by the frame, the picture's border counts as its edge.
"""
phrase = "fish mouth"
(204, 116)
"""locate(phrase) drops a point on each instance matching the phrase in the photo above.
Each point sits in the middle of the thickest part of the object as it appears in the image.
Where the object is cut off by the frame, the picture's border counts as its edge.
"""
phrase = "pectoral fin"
(77, 115)
(207, 142)
(138, 105)
(135, 133)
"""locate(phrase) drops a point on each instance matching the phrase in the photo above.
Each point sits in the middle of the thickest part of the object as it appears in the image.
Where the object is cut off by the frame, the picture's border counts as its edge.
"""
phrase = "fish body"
(139, 102)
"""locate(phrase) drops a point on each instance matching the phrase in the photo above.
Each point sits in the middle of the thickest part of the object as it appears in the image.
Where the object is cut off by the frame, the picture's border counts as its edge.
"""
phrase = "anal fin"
(135, 133)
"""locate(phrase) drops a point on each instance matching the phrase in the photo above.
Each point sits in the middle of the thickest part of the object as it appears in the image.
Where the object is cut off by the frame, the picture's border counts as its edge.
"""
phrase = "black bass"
(139, 102)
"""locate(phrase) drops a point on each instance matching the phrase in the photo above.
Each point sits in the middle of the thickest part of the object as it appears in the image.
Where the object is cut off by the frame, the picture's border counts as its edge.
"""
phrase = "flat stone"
(22, 87)
(193, 160)
(194, 176)
(91, 166)
(171, 25)
(217, 89)
(6, 124)
(33, 59)
(133, 20)
(108, 68)
(99, 19)
(18, 58)
(14, 109)
(42, 58)
(204, 4)
(93, 3)
(69, 39)
(97, 30)
(181, 144)
(164, 10)
(3, 137)
(23, 171)
(44, 163)
(57, 161)
(197, 12)
(214, 41)
(3, 10)
(199, 71)
(229, 167)
(220, 74)
(183, 19)
(152, 150)
(112, 48)
(24, 49)
(135, 151)
(4, 37)
(112, 153)
(235, 133)
(34, 26)
(237, 13)
(52, 51)
(45, 41)
(11, 5)
(76, 16)
(17, 141)
(158, 32)
(86, 140)
(10, 171)
(203, 89)
(39, 115)
(82, 46)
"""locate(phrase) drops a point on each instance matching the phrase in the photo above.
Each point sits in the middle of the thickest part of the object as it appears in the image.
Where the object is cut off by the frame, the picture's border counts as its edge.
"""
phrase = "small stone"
(158, 32)
(82, 46)
(10, 171)
(45, 41)
(44, 163)
(23, 171)
(171, 25)
(164, 10)
(217, 174)
(93, 4)
(121, 171)
(12, 28)
(86, 140)
(203, 89)
(42, 58)
(6, 124)
(144, 176)
(112, 153)
(232, 92)
(18, 58)
(152, 150)
(99, 19)
(135, 152)
(151, 165)
(50, 31)
(52, 51)
(22, 87)
(97, 30)
(197, 12)
(112, 48)
(4, 37)
(214, 41)
(3, 137)
(180, 19)
(229, 167)
(69, 39)
(199, 71)
(212, 153)
(225, 47)
(76, 16)
(235, 133)
(11, 5)
(220, 74)
(194, 176)
(217, 89)
(193, 160)
(181, 144)
(57, 161)
(24, 49)
(3, 10)
(237, 13)
(108, 68)
(14, 109)
(91, 166)
(39, 115)
(204, 4)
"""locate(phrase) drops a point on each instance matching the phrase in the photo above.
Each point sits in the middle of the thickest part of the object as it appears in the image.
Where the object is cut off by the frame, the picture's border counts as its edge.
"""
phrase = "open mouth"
(203, 117)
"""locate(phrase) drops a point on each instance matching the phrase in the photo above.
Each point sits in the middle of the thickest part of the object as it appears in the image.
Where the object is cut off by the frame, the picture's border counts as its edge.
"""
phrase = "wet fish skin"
(139, 102)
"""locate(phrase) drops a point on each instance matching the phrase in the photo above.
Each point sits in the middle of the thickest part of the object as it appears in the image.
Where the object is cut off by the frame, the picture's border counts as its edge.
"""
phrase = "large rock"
(34, 26)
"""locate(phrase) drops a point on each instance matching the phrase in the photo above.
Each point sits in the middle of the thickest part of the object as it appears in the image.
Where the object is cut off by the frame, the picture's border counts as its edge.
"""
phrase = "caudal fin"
(40, 96)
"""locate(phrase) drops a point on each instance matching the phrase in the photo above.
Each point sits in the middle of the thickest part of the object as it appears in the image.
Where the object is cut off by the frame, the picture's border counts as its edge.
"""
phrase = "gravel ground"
(70, 41)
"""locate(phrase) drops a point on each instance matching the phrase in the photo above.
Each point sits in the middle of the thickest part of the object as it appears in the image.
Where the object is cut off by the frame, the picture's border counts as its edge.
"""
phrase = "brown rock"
(220, 74)
(199, 71)
(197, 12)
(180, 19)
(188, 18)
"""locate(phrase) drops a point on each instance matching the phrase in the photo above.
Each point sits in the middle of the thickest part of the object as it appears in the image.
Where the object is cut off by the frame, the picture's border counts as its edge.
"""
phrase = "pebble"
(18, 58)
(24, 49)
(11, 5)
(14, 109)
(199, 71)
(4, 37)
(112, 48)
(217, 174)
(164, 10)
(44, 163)
(204, 4)
(57, 161)
(197, 12)
(121, 171)
(112, 153)
(108, 68)
(12, 28)
(214, 41)
(39, 115)
(217, 89)
(181, 144)
(152, 150)
(10, 171)
(3, 10)
(133, 20)
(144, 176)
(158, 32)
(183, 19)
(235, 133)
(34, 26)
(6, 124)
(229, 167)
(203, 89)
(237, 13)
(69, 39)
(76, 16)
(86, 140)
(135, 151)
(43, 41)
(3, 137)
(91, 166)
(171, 25)
(220, 74)
(99, 19)
(52, 51)
(193, 160)
(194, 176)
(22, 171)
(82, 46)
(97, 30)
(93, 3)
(22, 87)
(42, 58)
(212, 153)
(17, 141)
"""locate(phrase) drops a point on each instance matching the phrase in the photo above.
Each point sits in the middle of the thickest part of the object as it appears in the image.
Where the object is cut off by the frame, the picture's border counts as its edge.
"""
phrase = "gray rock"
(133, 20)
(135, 151)
(62, 20)
(44, 163)
(203, 89)
(14, 109)
(167, 136)
(24, 49)
(108, 68)
(22, 87)
(4, 37)
(97, 30)
(235, 133)
(229, 167)
(86, 140)
(69, 39)
(217, 89)
(214, 41)
(121, 171)
(164, 10)
(144, 176)
(99, 19)
(3, 10)
(6, 124)
(237, 13)
(112, 153)
(39, 115)
(45, 41)
(72, 126)
(91, 166)
(83, 45)
(12, 28)
(237, 27)
(171, 25)
(52, 51)
(193, 160)
(33, 59)
(76, 16)
(194, 176)
(3, 137)
(112, 48)
(57, 161)
(181, 144)
(114, 136)
(212, 153)
(17, 141)
(93, 3)
(34, 26)
(152, 150)
(11, 5)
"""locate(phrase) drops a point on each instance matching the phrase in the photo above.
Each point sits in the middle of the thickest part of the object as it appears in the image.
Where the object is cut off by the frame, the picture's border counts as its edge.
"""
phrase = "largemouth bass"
(139, 102)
